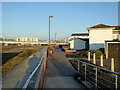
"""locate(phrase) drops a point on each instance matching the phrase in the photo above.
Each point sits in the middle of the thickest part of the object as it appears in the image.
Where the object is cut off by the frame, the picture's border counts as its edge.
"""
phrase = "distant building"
(26, 39)
(65, 40)
(100, 33)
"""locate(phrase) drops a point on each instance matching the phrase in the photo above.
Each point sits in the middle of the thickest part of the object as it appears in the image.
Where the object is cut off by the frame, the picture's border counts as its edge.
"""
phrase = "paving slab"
(61, 82)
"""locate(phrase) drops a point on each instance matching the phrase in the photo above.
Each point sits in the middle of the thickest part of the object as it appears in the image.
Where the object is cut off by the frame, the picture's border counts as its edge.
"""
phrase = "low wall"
(43, 72)
(70, 51)
(67, 50)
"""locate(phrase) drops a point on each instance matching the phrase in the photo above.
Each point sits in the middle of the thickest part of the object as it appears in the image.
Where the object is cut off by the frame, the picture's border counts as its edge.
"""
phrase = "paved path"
(59, 72)
(16, 77)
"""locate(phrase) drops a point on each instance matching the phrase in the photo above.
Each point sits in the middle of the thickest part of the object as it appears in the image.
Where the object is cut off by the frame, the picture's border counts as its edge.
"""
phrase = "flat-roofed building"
(30, 39)
(26, 39)
(35, 39)
(79, 41)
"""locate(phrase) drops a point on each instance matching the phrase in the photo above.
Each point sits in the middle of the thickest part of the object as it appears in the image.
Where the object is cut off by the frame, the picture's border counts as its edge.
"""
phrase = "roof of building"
(77, 38)
(80, 34)
(117, 27)
(100, 26)
(112, 41)
(104, 26)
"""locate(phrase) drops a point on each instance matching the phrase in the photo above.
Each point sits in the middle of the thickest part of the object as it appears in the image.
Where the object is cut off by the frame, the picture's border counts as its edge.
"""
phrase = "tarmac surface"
(17, 77)
(59, 72)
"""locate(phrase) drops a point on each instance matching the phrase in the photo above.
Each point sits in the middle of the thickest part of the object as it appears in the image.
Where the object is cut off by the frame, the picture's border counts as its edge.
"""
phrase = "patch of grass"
(98, 53)
(84, 53)
(26, 52)
(53, 47)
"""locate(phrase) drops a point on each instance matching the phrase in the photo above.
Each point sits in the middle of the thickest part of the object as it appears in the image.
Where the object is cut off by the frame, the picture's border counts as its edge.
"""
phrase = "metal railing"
(30, 77)
(98, 76)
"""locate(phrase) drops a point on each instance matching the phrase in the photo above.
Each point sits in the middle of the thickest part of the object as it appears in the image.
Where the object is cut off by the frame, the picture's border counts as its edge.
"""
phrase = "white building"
(77, 44)
(35, 39)
(30, 39)
(79, 41)
(26, 39)
(100, 33)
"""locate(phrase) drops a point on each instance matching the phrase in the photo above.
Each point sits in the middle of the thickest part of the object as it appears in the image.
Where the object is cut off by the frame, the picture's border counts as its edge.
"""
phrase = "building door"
(114, 50)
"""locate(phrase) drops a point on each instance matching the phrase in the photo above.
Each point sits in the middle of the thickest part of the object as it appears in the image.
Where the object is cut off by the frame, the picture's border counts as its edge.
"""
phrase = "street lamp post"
(49, 28)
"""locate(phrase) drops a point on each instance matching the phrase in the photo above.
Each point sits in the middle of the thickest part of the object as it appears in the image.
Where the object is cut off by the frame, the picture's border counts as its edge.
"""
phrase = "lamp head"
(50, 16)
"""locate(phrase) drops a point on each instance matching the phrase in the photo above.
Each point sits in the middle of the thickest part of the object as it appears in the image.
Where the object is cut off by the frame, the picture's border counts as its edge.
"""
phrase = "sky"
(31, 19)
(60, 0)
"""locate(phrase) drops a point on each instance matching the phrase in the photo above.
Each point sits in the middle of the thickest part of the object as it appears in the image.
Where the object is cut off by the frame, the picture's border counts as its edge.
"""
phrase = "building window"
(116, 32)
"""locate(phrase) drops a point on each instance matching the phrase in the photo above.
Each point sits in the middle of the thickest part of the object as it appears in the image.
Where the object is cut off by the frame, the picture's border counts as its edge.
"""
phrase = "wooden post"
(88, 56)
(107, 52)
(94, 61)
(78, 67)
(112, 64)
(101, 64)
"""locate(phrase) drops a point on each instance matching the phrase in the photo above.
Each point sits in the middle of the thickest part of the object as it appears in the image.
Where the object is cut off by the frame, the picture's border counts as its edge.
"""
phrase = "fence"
(109, 64)
(41, 66)
(98, 76)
